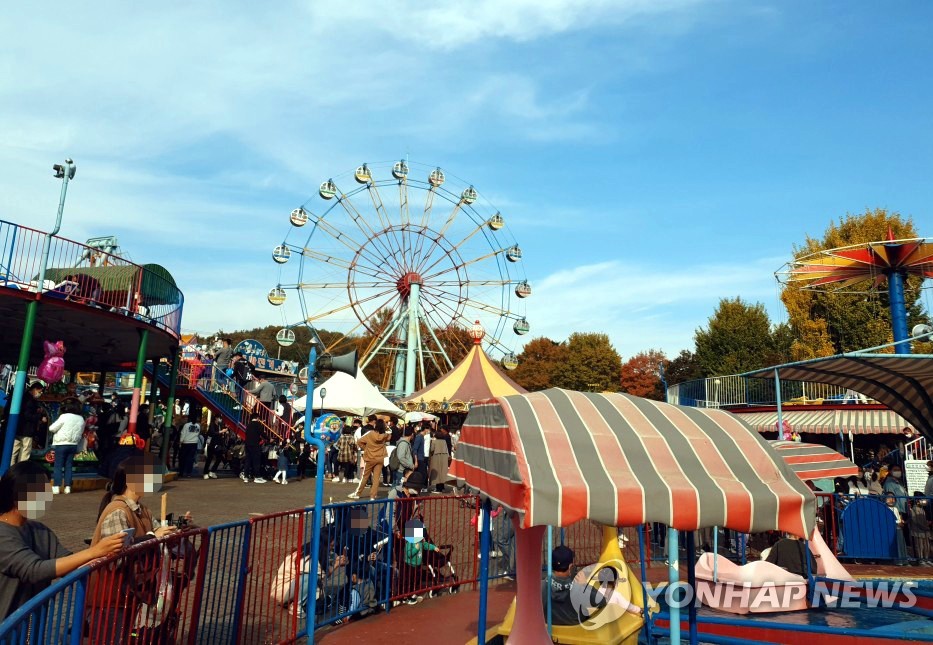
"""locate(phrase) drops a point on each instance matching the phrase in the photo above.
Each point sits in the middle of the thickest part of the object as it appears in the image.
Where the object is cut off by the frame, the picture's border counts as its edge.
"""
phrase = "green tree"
(823, 323)
(683, 367)
(738, 338)
(538, 364)
(592, 364)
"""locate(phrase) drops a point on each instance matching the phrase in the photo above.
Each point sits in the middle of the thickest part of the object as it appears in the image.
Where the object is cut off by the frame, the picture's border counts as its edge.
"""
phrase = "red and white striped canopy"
(813, 461)
(556, 457)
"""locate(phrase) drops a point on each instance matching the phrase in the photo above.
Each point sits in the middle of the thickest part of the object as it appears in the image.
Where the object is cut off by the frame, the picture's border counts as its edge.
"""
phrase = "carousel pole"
(484, 549)
(138, 379)
(169, 407)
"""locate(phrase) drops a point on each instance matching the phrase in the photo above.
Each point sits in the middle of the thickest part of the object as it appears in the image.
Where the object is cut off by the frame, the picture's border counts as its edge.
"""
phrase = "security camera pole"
(311, 582)
(66, 173)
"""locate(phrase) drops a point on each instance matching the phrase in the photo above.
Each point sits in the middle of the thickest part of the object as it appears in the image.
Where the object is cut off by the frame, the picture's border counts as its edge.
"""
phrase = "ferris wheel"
(403, 253)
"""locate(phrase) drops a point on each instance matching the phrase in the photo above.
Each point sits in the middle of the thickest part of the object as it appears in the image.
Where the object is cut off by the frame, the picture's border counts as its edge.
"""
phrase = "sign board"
(250, 349)
(915, 470)
(256, 354)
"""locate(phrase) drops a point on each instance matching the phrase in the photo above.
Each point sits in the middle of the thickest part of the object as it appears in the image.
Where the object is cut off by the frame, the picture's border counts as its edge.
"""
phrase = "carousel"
(475, 378)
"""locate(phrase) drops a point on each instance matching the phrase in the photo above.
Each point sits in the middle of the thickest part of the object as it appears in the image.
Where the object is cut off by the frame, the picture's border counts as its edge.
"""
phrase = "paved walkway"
(211, 502)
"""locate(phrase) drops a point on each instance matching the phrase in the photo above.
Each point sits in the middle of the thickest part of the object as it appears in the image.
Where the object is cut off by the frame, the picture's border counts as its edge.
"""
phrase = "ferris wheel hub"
(404, 283)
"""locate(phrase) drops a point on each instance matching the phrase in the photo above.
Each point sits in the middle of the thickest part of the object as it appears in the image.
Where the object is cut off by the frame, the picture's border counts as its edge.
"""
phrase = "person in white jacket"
(67, 431)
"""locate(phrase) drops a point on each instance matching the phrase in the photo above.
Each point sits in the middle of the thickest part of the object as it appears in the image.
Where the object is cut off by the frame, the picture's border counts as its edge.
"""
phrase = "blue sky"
(650, 156)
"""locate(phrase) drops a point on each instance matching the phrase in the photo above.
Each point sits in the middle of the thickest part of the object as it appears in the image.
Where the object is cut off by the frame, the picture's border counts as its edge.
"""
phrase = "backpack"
(394, 464)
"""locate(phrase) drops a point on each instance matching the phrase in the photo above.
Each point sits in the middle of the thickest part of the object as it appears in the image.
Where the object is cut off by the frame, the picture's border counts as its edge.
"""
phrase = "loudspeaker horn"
(921, 330)
(346, 363)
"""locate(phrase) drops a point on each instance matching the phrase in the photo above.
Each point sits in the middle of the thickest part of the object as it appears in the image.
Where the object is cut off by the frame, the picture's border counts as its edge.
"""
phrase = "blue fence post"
(77, 620)
(484, 549)
(241, 584)
(390, 515)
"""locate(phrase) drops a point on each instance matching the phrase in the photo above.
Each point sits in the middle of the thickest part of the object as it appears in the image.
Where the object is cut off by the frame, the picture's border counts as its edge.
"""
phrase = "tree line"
(738, 337)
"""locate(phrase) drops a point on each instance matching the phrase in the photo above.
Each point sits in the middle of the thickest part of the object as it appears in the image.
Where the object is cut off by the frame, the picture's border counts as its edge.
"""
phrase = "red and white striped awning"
(813, 461)
(556, 457)
(858, 421)
(816, 421)
(870, 421)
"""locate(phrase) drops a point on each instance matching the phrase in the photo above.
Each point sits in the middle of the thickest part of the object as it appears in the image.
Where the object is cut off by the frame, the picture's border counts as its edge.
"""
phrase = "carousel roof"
(475, 378)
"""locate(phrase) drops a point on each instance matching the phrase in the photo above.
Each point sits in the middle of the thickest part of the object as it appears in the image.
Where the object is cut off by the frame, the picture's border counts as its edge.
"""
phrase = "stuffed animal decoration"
(52, 367)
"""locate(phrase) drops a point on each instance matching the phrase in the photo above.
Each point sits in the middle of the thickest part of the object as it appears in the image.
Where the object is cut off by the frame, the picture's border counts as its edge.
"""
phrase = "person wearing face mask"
(30, 554)
(894, 484)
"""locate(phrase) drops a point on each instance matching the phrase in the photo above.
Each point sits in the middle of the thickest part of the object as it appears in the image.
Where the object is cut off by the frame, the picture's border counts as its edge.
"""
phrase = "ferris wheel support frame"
(411, 350)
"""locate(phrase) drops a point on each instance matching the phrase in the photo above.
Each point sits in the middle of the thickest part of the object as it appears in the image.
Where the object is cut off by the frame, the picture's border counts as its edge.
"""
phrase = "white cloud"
(639, 306)
(450, 25)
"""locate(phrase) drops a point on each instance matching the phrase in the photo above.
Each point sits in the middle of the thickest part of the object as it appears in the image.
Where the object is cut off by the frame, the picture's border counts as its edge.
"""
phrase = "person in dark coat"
(31, 416)
(253, 465)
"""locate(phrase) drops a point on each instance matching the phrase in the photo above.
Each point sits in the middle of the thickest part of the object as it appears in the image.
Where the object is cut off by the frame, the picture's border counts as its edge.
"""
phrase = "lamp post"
(66, 173)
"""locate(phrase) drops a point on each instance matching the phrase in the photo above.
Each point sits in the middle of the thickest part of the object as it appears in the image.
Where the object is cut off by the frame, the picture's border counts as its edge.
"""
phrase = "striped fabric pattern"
(813, 461)
(903, 383)
(475, 378)
(858, 421)
(870, 421)
(557, 456)
(816, 421)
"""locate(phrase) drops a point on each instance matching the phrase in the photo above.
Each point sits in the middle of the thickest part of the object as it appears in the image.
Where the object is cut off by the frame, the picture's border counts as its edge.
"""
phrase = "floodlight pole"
(65, 173)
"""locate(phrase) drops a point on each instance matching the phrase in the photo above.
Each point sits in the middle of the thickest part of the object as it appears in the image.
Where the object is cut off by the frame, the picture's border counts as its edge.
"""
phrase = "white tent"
(353, 396)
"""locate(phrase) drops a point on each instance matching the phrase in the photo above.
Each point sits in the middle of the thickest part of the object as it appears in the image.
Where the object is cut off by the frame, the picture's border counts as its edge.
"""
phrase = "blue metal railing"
(738, 390)
(86, 276)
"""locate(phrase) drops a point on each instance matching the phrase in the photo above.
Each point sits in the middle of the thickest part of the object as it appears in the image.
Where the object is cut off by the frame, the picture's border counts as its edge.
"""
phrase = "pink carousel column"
(529, 627)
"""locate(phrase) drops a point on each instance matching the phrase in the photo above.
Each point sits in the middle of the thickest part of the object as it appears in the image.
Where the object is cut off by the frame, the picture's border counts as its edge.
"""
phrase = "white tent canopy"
(355, 396)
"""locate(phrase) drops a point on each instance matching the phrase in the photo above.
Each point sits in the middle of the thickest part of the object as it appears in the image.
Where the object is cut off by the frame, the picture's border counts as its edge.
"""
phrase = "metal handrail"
(209, 377)
(20, 260)
(737, 390)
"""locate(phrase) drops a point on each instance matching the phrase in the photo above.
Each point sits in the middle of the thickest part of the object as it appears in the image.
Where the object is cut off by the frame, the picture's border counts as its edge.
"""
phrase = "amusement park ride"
(379, 259)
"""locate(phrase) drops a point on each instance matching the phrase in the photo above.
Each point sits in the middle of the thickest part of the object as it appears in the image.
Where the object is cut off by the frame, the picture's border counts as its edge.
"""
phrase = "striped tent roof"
(556, 457)
(813, 461)
(475, 378)
(870, 421)
(903, 382)
(816, 421)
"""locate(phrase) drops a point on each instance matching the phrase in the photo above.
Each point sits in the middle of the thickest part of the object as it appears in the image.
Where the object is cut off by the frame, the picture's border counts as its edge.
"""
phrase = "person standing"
(222, 357)
(405, 457)
(67, 431)
(253, 451)
(373, 444)
(31, 416)
(346, 453)
(188, 443)
(265, 391)
(216, 448)
(928, 487)
(440, 459)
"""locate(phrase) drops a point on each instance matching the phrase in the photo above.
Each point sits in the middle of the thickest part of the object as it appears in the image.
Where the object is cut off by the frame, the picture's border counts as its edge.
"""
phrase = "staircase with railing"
(210, 386)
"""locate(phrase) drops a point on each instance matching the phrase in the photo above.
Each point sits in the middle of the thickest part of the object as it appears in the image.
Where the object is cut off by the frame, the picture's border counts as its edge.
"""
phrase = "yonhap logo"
(600, 594)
